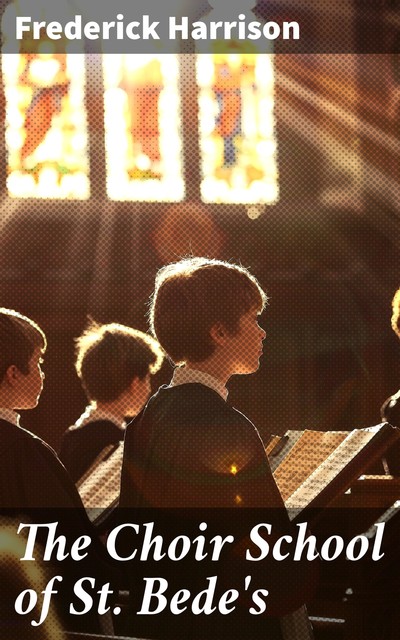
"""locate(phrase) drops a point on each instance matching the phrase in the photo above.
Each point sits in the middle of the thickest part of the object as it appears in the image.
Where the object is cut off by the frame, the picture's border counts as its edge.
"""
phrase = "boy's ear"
(12, 375)
(218, 333)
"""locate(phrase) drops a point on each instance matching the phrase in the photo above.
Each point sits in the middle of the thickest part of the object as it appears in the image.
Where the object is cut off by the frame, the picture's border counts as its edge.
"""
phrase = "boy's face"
(30, 386)
(244, 348)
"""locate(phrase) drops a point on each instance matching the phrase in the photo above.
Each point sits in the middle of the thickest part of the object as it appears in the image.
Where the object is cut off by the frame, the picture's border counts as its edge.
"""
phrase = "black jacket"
(191, 458)
(36, 488)
(80, 446)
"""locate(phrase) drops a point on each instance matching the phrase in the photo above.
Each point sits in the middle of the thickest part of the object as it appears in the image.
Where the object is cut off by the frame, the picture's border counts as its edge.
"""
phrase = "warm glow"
(46, 135)
(237, 133)
(47, 139)
(142, 127)
(233, 469)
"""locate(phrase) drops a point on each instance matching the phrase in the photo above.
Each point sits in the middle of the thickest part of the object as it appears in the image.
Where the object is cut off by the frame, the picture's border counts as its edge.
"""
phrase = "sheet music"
(306, 455)
(279, 453)
(100, 487)
(329, 469)
(274, 441)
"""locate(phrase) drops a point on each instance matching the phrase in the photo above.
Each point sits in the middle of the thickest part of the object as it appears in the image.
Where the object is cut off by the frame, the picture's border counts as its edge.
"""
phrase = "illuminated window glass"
(46, 134)
(142, 127)
(237, 133)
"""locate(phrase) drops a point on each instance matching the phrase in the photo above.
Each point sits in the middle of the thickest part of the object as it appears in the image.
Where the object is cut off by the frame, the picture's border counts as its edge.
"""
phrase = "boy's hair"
(396, 313)
(110, 356)
(19, 337)
(193, 295)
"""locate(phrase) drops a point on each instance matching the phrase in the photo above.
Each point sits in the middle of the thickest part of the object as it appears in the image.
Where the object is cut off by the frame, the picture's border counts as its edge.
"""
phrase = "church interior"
(95, 202)
(112, 166)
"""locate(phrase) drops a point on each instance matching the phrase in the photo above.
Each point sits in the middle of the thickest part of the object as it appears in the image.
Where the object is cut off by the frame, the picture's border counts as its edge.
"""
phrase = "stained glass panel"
(142, 127)
(45, 128)
(237, 131)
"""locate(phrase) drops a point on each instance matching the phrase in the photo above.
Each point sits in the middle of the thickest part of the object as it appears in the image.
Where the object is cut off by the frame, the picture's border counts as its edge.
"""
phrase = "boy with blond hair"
(32, 473)
(114, 363)
(34, 485)
(192, 451)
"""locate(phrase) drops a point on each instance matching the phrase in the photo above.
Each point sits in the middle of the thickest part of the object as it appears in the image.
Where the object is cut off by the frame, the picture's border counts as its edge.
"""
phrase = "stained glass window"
(142, 127)
(46, 133)
(237, 133)
(47, 137)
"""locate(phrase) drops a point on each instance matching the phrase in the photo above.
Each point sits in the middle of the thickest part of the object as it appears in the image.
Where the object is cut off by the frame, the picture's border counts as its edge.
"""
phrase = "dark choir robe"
(82, 444)
(189, 458)
(390, 412)
(36, 488)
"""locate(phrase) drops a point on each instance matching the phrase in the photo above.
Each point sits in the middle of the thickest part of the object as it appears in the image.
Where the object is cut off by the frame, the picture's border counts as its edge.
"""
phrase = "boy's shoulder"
(14, 433)
(193, 403)
(31, 475)
(13, 436)
(187, 397)
(79, 430)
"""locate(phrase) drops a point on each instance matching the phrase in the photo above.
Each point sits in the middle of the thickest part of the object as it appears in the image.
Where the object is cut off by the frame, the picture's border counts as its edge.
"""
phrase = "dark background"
(327, 253)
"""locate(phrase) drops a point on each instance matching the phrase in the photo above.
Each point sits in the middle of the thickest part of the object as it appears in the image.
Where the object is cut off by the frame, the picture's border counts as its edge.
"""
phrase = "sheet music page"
(329, 469)
(283, 448)
(101, 487)
(307, 454)
(272, 444)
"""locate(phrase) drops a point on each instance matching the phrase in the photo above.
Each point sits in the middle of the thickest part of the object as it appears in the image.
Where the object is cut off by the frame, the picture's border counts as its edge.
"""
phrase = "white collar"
(92, 414)
(10, 416)
(183, 375)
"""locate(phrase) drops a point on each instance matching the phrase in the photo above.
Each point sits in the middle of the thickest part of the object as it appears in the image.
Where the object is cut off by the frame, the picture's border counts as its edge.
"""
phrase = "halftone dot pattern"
(204, 455)
(337, 130)
(16, 577)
